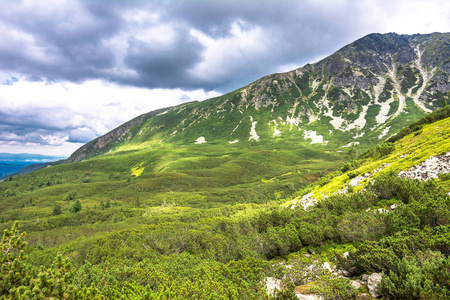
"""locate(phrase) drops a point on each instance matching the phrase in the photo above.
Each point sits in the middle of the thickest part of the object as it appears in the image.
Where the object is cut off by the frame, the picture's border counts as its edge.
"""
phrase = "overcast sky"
(73, 70)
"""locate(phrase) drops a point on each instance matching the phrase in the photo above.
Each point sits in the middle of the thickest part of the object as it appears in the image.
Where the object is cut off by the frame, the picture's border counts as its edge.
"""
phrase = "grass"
(166, 180)
(433, 140)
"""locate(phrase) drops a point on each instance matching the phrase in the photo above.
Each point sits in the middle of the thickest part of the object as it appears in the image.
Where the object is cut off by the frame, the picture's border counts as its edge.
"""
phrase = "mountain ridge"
(354, 95)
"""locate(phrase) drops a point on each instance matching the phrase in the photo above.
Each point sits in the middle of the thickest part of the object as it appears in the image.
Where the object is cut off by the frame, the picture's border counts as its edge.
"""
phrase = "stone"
(356, 284)
(373, 283)
(430, 168)
(272, 284)
(327, 266)
(306, 201)
(344, 273)
(309, 297)
(365, 277)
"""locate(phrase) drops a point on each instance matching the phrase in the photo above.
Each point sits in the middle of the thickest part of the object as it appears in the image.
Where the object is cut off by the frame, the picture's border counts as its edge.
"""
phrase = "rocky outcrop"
(273, 284)
(373, 283)
(309, 297)
(305, 202)
(430, 168)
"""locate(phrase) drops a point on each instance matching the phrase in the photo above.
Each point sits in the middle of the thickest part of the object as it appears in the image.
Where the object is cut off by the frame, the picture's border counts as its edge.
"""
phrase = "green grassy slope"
(154, 224)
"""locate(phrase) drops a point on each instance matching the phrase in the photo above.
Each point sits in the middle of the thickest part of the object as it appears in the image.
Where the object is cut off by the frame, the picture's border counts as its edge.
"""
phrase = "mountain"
(378, 226)
(362, 94)
(420, 151)
(254, 190)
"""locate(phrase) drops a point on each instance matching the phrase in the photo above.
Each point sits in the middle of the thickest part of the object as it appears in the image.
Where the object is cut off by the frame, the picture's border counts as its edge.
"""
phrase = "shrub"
(425, 276)
(56, 209)
(76, 206)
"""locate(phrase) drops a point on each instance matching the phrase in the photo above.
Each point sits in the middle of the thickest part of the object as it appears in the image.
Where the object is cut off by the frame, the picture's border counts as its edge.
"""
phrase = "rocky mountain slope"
(361, 94)
(422, 153)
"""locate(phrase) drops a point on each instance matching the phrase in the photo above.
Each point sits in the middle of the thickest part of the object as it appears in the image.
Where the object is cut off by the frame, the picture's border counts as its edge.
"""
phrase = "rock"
(327, 266)
(372, 283)
(345, 254)
(272, 284)
(382, 211)
(306, 201)
(394, 206)
(308, 297)
(363, 297)
(403, 156)
(365, 277)
(356, 284)
(344, 273)
(430, 168)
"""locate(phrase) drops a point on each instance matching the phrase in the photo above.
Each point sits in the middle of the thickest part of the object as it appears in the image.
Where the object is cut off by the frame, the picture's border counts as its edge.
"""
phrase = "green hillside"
(179, 245)
(277, 182)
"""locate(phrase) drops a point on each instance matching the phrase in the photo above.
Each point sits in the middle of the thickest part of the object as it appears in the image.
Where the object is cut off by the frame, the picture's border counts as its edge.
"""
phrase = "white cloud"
(244, 43)
(75, 110)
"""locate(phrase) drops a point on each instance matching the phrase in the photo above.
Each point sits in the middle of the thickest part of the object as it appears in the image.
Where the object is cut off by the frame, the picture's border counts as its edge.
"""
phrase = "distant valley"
(11, 163)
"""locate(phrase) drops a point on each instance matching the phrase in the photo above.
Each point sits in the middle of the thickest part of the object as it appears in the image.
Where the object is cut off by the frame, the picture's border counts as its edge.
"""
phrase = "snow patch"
(336, 122)
(384, 110)
(384, 132)
(276, 133)
(350, 144)
(397, 87)
(315, 138)
(200, 140)
(253, 135)
(426, 79)
(236, 127)
(163, 113)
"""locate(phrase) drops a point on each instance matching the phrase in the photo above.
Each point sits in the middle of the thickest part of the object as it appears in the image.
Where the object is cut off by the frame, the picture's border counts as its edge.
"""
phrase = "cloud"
(55, 114)
(191, 44)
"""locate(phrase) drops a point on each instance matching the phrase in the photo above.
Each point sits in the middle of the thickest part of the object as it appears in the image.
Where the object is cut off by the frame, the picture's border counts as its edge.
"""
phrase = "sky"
(71, 71)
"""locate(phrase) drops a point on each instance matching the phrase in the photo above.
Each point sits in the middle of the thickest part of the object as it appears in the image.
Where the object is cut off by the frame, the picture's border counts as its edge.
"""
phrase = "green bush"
(422, 276)
(76, 206)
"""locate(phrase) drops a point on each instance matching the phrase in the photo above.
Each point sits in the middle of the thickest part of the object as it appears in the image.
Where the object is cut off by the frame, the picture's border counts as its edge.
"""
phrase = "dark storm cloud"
(81, 40)
(34, 118)
(164, 65)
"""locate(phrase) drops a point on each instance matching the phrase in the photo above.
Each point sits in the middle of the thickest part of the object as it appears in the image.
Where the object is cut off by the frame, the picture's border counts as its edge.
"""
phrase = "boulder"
(373, 283)
(272, 284)
(308, 297)
(343, 273)
(356, 284)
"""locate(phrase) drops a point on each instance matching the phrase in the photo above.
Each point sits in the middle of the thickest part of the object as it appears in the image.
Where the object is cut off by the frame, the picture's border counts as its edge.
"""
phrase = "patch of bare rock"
(430, 168)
